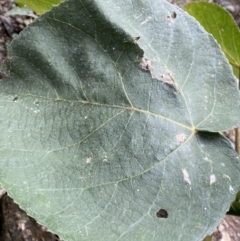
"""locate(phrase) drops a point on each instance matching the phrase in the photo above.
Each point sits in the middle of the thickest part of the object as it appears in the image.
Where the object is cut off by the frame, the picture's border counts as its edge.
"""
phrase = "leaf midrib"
(126, 108)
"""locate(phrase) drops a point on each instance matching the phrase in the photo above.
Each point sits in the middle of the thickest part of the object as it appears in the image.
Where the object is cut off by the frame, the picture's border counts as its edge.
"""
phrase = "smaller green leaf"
(39, 6)
(208, 238)
(218, 21)
(235, 207)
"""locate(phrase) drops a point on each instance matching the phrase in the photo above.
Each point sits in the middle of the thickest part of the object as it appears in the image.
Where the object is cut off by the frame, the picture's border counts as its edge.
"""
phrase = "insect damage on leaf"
(172, 16)
(166, 78)
(145, 64)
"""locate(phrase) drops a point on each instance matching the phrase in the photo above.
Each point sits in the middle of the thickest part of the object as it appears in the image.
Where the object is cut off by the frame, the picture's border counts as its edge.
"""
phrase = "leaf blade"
(103, 151)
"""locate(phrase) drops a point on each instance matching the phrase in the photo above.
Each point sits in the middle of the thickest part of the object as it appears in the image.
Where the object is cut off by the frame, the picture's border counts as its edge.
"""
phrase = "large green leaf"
(39, 6)
(108, 118)
(218, 21)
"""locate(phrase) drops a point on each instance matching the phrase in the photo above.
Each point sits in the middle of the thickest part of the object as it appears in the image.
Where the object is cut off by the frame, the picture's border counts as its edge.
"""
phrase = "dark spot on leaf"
(15, 98)
(162, 213)
(172, 16)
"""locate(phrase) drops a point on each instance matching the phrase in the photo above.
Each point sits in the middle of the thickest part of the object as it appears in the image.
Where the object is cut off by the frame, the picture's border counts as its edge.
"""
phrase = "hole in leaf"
(162, 213)
(15, 98)
(172, 16)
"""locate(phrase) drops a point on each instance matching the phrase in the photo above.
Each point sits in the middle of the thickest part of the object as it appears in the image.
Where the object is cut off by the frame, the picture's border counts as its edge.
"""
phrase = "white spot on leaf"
(186, 176)
(231, 189)
(89, 160)
(146, 20)
(180, 137)
(212, 179)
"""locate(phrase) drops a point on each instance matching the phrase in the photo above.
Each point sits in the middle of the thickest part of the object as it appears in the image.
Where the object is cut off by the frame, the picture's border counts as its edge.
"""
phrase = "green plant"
(39, 6)
(218, 22)
(110, 115)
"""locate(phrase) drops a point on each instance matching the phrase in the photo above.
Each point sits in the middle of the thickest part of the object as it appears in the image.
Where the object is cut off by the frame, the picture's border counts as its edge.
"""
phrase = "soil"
(15, 224)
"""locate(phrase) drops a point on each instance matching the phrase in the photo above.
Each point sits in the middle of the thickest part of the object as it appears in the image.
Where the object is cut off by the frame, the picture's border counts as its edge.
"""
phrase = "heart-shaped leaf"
(108, 118)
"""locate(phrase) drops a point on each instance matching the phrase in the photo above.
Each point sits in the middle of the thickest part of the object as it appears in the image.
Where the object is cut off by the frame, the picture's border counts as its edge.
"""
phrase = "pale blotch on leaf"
(212, 179)
(146, 20)
(89, 160)
(180, 137)
(166, 78)
(145, 64)
(186, 176)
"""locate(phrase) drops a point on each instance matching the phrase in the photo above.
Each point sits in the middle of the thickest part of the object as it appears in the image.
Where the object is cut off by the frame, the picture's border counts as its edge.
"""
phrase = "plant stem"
(237, 130)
